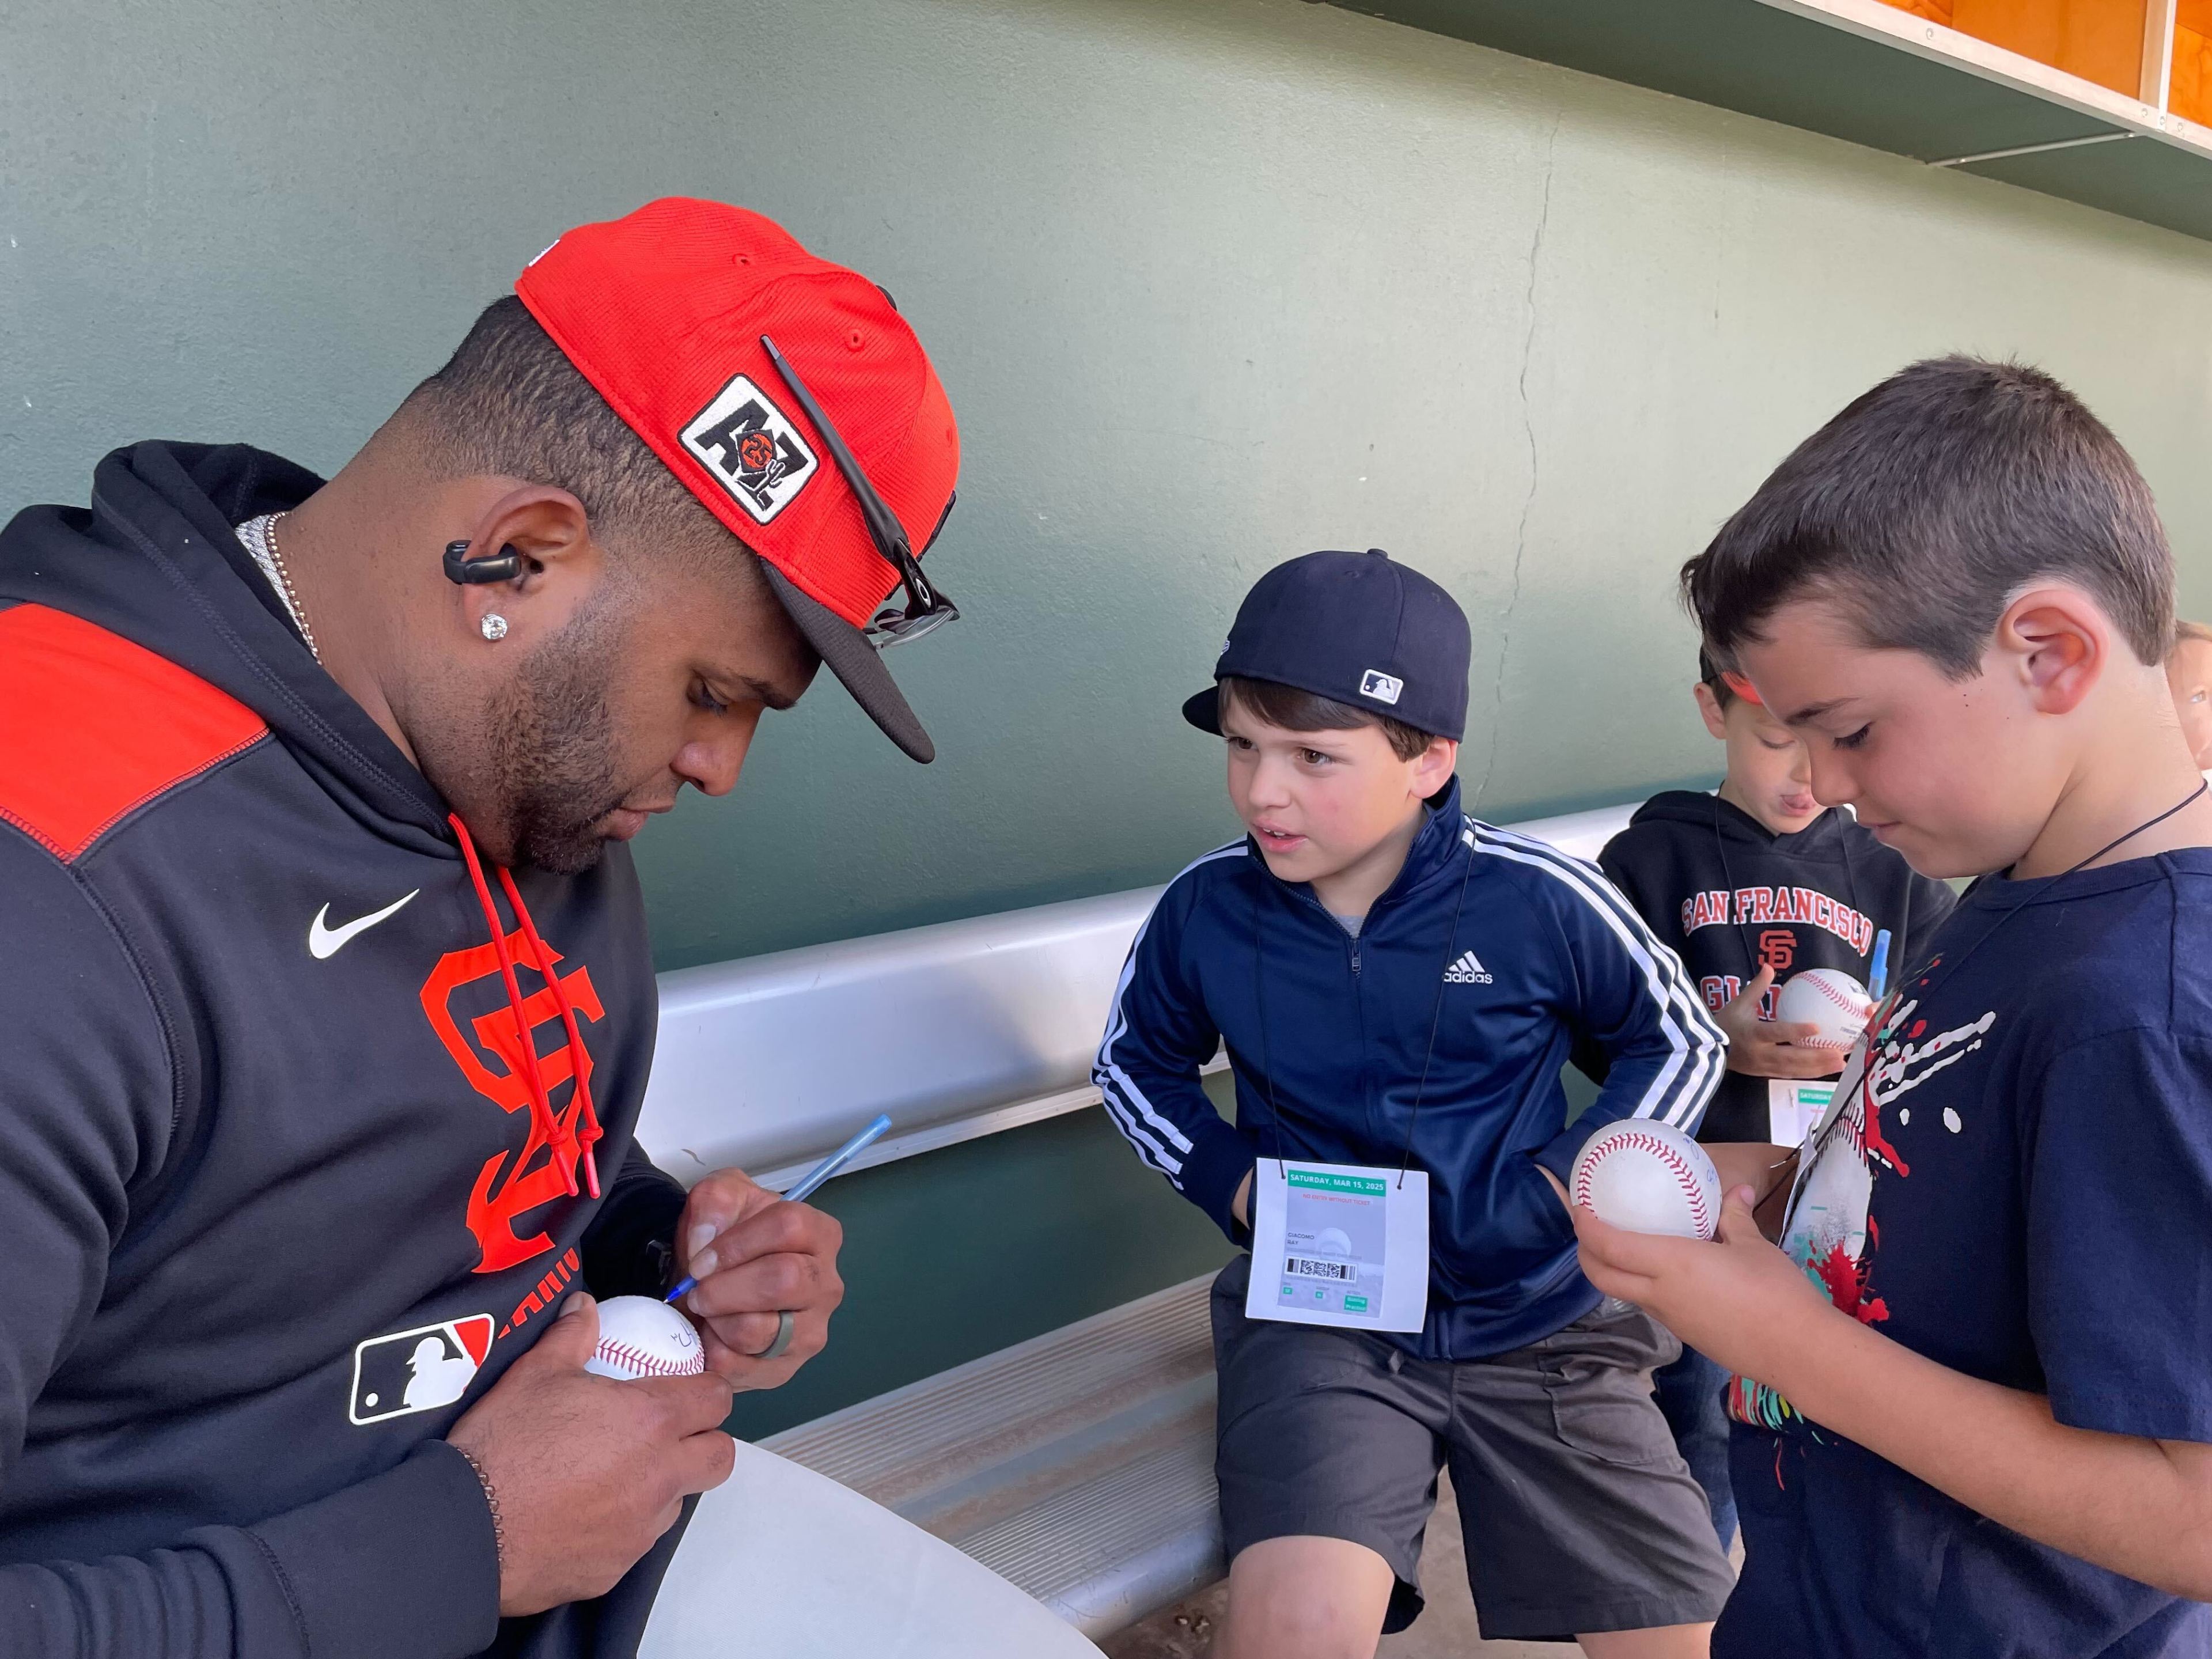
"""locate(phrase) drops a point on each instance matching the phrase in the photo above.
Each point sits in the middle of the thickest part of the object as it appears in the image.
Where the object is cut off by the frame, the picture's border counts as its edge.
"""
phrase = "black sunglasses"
(927, 607)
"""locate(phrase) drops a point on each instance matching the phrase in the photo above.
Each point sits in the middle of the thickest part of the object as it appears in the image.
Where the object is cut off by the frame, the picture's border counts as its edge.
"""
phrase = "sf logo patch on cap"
(1383, 688)
(417, 1370)
(749, 448)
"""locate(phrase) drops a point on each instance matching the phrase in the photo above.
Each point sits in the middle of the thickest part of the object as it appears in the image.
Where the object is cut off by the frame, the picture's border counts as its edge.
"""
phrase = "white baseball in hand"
(1828, 998)
(1647, 1177)
(641, 1337)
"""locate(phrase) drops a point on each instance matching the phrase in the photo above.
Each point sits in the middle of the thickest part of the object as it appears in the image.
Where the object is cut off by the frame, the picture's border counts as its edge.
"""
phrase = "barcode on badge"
(1301, 1267)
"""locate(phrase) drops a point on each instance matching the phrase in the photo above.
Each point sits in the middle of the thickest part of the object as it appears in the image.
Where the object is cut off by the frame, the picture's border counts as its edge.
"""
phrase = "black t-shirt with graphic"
(2018, 1184)
(1729, 896)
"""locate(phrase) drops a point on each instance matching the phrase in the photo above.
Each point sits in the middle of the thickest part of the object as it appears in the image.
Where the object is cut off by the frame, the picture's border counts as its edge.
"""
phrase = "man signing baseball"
(327, 998)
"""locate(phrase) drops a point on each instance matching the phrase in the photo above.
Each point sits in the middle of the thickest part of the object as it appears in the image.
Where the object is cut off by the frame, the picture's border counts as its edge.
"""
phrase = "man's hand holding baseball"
(1771, 1048)
(756, 1257)
(587, 1472)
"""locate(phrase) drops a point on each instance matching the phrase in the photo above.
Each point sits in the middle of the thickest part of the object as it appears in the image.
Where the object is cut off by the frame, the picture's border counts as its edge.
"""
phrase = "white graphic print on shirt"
(1826, 1230)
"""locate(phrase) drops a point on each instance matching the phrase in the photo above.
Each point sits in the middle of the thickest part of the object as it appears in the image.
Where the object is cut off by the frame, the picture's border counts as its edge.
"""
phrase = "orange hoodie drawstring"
(560, 1140)
(587, 1132)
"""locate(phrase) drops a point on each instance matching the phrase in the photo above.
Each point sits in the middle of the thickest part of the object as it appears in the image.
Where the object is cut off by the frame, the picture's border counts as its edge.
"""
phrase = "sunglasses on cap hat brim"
(928, 606)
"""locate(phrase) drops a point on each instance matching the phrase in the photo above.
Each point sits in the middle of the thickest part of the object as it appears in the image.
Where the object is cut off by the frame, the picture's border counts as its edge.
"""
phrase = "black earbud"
(502, 567)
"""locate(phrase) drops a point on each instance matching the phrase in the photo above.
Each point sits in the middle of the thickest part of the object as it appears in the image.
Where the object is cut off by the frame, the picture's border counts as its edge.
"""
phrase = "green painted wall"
(1210, 284)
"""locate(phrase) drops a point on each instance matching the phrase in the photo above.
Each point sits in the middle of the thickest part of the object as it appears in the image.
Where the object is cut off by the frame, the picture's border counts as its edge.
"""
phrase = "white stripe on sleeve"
(1140, 1122)
(1699, 1050)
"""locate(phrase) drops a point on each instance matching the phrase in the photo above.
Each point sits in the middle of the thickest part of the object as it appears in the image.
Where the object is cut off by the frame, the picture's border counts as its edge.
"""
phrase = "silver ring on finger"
(785, 1321)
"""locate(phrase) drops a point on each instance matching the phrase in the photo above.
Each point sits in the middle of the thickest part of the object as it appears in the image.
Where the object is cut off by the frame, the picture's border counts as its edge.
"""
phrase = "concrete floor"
(1446, 1629)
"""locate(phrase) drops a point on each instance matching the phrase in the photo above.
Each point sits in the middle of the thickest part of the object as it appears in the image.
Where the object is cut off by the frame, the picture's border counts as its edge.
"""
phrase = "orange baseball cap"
(789, 396)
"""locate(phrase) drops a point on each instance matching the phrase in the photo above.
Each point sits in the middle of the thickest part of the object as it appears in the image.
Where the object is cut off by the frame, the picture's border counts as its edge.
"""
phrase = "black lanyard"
(2020, 903)
(1436, 1014)
(1890, 1002)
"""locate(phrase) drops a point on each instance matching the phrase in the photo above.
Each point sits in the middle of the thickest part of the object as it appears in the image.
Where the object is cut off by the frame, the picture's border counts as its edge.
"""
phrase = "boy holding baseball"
(1974, 1384)
(1398, 985)
(1753, 885)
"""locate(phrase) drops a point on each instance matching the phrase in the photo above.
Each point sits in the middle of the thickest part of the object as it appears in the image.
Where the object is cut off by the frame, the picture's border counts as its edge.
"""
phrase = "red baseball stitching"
(1642, 1141)
(1828, 989)
(612, 1353)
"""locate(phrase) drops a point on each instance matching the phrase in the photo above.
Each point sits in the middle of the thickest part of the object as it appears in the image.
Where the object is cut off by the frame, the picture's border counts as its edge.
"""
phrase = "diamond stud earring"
(494, 625)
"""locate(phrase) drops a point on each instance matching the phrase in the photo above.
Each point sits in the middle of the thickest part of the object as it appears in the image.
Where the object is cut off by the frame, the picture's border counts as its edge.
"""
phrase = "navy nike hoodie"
(281, 1193)
(1730, 896)
(1490, 961)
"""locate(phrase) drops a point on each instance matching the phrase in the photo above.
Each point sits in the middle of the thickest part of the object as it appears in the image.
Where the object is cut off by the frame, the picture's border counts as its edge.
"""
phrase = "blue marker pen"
(804, 1187)
(1881, 965)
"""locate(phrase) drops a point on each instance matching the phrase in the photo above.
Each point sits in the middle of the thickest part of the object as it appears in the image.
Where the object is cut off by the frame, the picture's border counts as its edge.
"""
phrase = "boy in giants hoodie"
(1398, 985)
(1750, 885)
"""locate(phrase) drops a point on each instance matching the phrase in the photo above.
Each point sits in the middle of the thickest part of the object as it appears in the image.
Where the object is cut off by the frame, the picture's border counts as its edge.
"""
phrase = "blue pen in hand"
(1880, 980)
(804, 1187)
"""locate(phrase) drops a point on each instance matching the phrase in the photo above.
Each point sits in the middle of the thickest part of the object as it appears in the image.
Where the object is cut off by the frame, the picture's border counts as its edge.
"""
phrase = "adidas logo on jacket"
(1467, 971)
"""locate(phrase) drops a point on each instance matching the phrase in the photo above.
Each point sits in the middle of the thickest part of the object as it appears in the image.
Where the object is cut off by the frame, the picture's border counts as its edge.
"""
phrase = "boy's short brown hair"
(1923, 506)
(1306, 711)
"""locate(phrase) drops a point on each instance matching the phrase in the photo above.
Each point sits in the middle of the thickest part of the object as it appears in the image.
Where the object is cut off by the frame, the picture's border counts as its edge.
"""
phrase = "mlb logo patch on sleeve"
(751, 449)
(417, 1370)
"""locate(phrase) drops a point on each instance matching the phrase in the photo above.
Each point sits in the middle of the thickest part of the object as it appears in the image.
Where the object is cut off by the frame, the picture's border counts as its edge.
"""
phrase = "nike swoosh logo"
(325, 942)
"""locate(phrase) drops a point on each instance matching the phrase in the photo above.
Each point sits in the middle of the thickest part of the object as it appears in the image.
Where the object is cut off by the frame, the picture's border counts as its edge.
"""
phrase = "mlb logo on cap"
(1380, 686)
(1357, 629)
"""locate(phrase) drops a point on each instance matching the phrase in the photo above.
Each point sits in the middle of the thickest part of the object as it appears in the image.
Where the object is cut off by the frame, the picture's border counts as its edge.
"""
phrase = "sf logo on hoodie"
(507, 1187)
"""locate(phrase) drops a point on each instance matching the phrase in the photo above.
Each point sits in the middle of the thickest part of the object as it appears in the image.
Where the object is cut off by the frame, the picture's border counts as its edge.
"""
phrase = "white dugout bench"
(1079, 1464)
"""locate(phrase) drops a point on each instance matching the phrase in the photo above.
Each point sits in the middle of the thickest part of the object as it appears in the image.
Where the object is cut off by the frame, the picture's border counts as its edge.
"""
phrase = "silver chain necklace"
(284, 580)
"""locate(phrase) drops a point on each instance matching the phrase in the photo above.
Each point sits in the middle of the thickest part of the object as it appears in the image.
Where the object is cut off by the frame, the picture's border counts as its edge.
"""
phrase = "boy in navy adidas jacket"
(1398, 986)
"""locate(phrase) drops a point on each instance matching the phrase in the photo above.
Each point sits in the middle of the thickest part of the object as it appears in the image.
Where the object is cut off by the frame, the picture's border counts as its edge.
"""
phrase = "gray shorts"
(1577, 1512)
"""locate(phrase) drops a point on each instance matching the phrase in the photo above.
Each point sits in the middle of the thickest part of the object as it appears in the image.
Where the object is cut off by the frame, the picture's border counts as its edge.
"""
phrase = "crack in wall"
(1529, 501)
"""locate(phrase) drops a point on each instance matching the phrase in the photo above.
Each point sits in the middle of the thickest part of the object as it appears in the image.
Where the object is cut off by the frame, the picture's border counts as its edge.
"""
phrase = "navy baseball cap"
(1355, 628)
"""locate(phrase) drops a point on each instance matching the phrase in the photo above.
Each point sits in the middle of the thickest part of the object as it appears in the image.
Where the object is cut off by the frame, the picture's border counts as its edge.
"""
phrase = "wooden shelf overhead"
(2107, 102)
(2188, 92)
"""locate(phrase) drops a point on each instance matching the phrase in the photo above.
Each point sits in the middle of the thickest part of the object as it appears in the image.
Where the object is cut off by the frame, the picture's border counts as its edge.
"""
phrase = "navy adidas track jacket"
(1514, 954)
